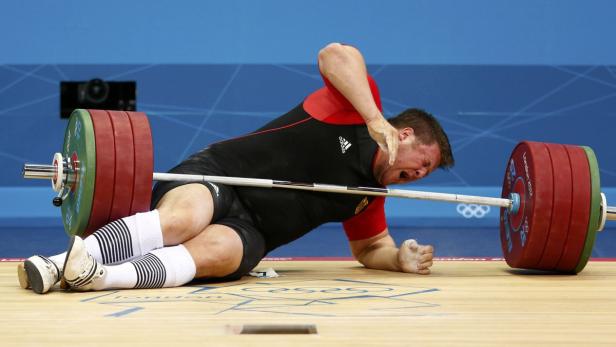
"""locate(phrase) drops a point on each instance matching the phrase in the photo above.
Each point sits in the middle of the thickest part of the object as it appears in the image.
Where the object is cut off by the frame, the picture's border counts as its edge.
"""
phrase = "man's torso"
(297, 147)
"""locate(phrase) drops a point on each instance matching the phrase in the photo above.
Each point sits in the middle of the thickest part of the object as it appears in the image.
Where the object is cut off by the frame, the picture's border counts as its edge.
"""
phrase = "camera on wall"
(97, 94)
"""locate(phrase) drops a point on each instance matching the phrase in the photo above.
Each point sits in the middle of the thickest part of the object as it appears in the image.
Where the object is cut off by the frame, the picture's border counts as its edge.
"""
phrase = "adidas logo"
(344, 144)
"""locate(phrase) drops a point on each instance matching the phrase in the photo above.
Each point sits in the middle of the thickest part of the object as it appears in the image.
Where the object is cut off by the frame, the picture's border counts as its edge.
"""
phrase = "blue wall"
(532, 32)
(494, 72)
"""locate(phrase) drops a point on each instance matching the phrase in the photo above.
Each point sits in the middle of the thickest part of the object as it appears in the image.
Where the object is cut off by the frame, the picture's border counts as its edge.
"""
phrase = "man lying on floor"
(337, 135)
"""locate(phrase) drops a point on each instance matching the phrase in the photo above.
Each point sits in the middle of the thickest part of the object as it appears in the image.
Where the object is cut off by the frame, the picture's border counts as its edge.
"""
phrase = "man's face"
(414, 161)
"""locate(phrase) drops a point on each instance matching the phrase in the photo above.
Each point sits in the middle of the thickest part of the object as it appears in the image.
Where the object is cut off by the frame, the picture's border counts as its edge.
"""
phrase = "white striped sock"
(122, 240)
(164, 267)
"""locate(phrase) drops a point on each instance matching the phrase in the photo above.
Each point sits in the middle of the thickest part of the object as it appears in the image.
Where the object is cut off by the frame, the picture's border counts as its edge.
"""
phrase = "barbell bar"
(38, 171)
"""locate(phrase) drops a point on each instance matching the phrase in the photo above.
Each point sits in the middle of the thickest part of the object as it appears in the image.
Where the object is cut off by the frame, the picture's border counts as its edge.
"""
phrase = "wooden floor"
(461, 303)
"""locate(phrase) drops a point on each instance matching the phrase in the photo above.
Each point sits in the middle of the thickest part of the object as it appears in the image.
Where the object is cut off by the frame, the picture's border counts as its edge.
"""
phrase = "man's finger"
(425, 258)
(392, 146)
(424, 271)
(426, 249)
(383, 146)
(424, 265)
(411, 244)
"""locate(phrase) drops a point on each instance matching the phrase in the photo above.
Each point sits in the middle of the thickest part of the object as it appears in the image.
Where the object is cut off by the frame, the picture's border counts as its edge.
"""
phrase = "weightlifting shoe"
(38, 273)
(81, 270)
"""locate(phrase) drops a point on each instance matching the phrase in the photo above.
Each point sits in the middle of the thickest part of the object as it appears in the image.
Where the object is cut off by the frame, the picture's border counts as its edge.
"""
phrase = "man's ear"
(405, 133)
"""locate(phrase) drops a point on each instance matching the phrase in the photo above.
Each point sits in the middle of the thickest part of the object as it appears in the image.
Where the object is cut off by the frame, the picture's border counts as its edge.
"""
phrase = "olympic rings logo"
(472, 210)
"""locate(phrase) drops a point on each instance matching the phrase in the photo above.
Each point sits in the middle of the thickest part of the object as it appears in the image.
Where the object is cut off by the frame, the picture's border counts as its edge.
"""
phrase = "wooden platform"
(462, 303)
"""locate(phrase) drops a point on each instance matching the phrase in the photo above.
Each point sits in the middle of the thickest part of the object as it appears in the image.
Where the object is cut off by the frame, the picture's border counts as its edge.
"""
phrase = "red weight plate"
(580, 209)
(105, 171)
(144, 162)
(561, 207)
(524, 234)
(124, 165)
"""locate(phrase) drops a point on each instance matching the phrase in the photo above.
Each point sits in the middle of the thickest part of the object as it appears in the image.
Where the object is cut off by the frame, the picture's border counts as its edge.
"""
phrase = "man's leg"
(216, 252)
(185, 211)
(181, 214)
(124, 239)
(121, 240)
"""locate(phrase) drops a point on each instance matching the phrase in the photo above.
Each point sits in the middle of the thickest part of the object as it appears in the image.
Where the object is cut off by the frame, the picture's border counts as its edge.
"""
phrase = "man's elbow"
(330, 56)
(359, 257)
(332, 49)
(362, 255)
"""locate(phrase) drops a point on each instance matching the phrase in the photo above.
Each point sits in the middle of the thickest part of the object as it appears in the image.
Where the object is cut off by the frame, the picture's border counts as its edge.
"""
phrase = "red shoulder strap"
(330, 106)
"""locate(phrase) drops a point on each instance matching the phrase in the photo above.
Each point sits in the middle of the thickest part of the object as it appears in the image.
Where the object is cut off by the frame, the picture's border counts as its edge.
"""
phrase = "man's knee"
(184, 211)
(217, 251)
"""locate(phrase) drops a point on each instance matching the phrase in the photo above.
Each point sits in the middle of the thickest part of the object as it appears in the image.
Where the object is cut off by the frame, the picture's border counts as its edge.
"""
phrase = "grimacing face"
(414, 160)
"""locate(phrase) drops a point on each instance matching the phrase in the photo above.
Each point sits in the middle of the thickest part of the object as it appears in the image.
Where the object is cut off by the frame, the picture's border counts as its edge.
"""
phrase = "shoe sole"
(71, 242)
(63, 283)
(34, 277)
(22, 276)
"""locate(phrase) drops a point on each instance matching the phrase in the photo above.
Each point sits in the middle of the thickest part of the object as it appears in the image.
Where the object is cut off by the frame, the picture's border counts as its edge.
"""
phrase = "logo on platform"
(344, 144)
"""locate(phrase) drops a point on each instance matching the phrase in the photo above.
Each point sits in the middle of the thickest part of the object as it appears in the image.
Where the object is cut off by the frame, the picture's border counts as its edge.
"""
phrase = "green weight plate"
(595, 213)
(105, 171)
(80, 148)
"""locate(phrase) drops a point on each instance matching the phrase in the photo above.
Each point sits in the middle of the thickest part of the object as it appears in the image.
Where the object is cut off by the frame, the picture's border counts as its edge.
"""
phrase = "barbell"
(550, 207)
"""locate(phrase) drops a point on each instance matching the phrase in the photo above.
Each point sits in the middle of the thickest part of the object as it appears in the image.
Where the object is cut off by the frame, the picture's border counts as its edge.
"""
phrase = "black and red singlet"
(322, 140)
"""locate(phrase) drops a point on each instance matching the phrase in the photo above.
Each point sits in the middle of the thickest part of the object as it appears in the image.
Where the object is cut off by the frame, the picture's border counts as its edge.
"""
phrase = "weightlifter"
(337, 135)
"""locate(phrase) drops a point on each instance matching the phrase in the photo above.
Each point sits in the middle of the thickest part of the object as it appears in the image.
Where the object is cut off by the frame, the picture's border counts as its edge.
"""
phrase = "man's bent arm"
(345, 68)
(378, 252)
